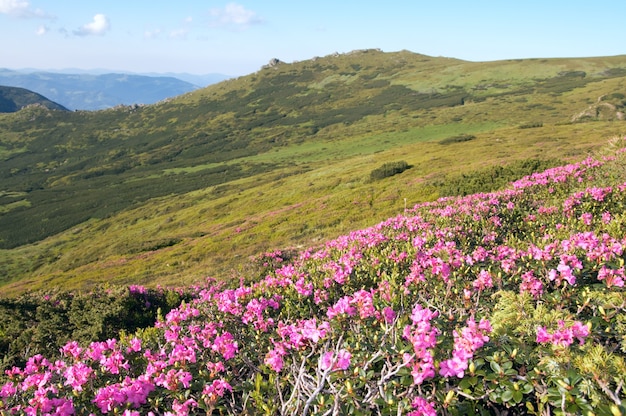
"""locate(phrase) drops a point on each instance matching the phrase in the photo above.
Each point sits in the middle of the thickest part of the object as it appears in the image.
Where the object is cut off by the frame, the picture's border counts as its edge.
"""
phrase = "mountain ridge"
(98, 91)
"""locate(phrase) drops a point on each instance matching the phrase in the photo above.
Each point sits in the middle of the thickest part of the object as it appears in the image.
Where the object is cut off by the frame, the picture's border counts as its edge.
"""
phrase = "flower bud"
(449, 397)
(615, 411)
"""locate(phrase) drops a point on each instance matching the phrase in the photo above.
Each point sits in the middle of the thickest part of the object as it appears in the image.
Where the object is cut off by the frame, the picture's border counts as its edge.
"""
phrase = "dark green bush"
(493, 178)
(531, 125)
(389, 169)
(457, 139)
(42, 322)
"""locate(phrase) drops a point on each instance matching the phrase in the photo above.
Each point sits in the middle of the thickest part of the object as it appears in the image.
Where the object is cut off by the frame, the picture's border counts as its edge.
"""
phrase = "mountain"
(290, 155)
(14, 99)
(201, 80)
(87, 91)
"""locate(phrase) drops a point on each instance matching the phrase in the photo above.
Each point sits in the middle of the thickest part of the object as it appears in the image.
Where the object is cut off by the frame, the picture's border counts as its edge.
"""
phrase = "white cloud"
(99, 26)
(42, 30)
(21, 9)
(178, 33)
(152, 34)
(234, 14)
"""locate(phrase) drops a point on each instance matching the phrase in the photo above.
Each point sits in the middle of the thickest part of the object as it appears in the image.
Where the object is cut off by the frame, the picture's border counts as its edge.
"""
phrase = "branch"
(322, 380)
(605, 388)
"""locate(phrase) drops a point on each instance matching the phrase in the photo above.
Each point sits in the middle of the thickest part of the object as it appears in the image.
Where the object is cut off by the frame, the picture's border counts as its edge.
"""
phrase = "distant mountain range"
(13, 99)
(81, 90)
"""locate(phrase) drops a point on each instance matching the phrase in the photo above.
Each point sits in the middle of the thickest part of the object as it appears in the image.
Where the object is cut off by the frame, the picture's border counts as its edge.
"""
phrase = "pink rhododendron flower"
(563, 336)
(483, 281)
(389, 314)
(466, 342)
(331, 361)
(8, 389)
(274, 359)
(72, 349)
(531, 284)
(612, 277)
(134, 345)
(109, 397)
(422, 408)
(216, 389)
(77, 375)
(342, 307)
(343, 359)
(225, 345)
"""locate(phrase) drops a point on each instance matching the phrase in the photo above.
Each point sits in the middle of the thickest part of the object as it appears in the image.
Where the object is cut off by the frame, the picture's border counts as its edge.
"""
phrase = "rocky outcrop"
(606, 108)
(274, 62)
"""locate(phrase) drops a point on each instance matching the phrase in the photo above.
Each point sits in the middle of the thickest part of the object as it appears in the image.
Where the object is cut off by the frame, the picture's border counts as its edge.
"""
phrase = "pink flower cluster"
(422, 408)
(335, 361)
(466, 343)
(294, 337)
(139, 372)
(361, 302)
(563, 336)
(423, 337)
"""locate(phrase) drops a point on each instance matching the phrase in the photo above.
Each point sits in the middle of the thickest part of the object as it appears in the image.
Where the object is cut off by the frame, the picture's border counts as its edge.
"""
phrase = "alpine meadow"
(360, 233)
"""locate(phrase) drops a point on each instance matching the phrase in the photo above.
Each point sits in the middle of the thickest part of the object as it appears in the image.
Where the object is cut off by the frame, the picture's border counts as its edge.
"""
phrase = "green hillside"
(13, 99)
(172, 192)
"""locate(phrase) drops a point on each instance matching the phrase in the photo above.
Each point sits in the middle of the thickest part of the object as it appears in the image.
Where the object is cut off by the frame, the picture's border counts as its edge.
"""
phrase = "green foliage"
(531, 125)
(389, 169)
(42, 322)
(493, 178)
(457, 139)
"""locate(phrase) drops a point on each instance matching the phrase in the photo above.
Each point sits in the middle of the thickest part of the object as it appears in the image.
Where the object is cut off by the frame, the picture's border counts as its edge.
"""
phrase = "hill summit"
(14, 99)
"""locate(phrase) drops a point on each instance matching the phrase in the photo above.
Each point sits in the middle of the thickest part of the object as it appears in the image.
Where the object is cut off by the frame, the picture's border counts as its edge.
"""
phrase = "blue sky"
(237, 38)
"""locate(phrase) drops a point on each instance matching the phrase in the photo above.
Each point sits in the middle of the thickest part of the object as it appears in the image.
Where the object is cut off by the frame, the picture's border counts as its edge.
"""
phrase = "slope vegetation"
(168, 193)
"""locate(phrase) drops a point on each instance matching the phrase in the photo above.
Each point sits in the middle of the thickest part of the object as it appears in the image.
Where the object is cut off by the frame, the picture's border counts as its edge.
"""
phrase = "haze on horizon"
(237, 38)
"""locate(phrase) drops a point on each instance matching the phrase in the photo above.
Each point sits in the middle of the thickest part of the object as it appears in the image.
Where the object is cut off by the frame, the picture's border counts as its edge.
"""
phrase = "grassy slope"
(303, 139)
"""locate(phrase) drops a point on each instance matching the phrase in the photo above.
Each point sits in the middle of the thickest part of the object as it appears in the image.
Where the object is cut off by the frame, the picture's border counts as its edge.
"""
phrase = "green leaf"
(495, 367)
(465, 384)
(507, 395)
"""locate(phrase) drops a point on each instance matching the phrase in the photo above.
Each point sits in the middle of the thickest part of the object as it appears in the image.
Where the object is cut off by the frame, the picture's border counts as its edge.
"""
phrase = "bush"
(492, 178)
(41, 322)
(457, 139)
(389, 169)
(531, 125)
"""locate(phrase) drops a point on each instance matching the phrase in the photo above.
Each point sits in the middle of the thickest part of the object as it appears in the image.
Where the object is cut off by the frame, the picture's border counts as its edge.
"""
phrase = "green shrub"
(457, 139)
(389, 169)
(491, 179)
(531, 125)
(42, 322)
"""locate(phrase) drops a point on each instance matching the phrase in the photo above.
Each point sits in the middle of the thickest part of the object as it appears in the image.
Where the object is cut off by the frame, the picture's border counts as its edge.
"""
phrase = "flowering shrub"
(506, 302)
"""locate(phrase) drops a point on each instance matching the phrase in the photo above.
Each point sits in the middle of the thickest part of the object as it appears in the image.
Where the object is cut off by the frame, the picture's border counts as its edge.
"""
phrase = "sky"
(238, 37)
